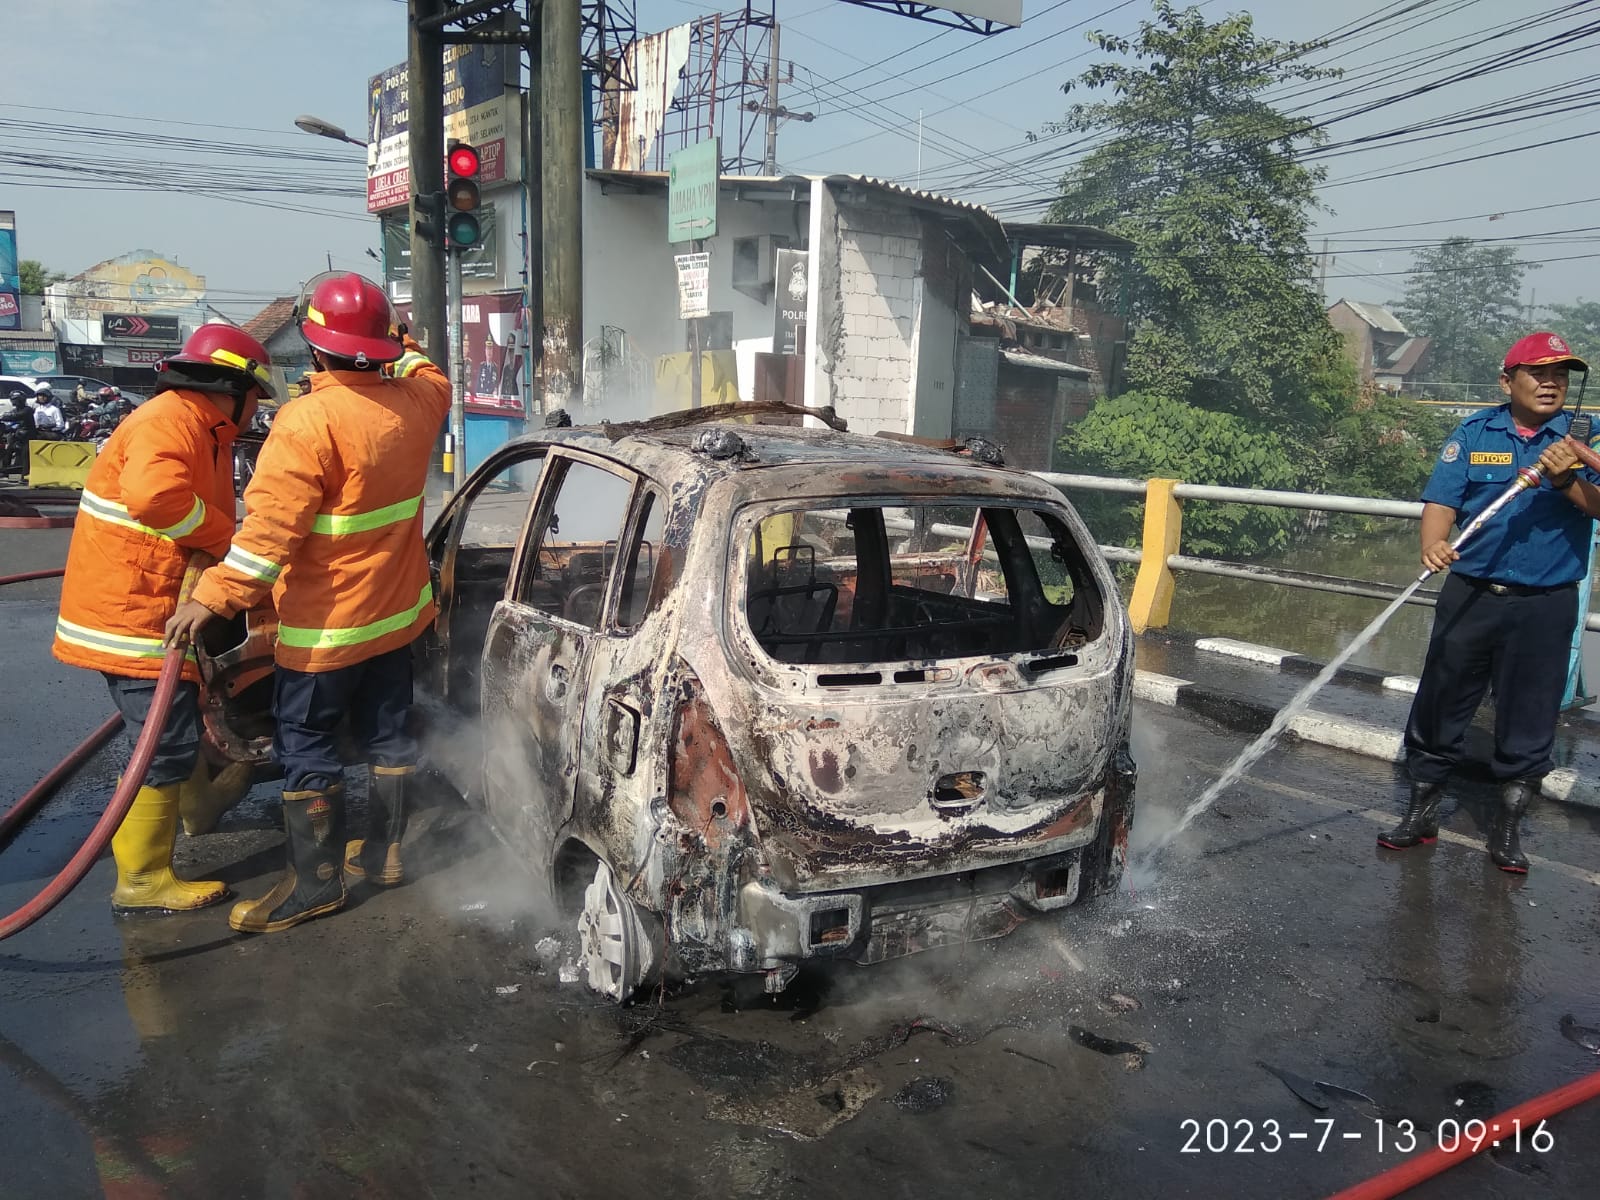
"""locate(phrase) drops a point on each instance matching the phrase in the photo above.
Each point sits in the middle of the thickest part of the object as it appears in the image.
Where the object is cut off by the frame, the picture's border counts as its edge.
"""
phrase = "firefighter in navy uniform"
(1508, 609)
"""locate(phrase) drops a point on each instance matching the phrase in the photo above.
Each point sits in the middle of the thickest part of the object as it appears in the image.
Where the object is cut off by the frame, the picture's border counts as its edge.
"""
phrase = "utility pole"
(425, 129)
(1322, 272)
(563, 126)
(772, 110)
(532, 184)
(770, 165)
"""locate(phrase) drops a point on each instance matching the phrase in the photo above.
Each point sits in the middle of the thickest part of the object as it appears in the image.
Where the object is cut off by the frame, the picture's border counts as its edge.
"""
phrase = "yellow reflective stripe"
(253, 565)
(189, 524)
(323, 639)
(403, 510)
(239, 362)
(377, 770)
(407, 363)
(111, 643)
(115, 514)
(313, 314)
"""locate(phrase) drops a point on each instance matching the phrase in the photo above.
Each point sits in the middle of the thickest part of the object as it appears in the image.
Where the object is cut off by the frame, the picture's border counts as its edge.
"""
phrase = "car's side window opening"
(879, 583)
(573, 545)
(649, 561)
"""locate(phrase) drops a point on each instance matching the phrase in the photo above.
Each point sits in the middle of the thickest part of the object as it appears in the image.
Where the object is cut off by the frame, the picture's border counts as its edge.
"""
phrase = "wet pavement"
(1274, 974)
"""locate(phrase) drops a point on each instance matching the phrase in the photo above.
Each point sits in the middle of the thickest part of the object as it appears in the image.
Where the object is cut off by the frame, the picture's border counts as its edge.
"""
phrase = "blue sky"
(240, 73)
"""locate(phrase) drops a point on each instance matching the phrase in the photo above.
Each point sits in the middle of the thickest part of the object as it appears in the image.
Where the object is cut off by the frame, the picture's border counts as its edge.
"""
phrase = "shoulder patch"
(1451, 452)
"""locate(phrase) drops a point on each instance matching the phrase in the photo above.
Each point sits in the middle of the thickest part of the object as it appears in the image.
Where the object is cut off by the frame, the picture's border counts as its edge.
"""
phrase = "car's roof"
(667, 455)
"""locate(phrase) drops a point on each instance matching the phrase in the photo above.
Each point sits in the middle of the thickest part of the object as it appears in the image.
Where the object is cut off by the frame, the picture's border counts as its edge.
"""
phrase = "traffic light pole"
(458, 375)
(425, 99)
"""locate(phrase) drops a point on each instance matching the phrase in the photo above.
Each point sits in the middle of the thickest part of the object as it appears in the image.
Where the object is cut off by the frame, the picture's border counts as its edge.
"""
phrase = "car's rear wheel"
(619, 955)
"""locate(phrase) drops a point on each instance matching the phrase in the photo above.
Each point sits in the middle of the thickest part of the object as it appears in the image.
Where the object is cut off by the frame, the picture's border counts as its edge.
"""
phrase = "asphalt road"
(423, 1044)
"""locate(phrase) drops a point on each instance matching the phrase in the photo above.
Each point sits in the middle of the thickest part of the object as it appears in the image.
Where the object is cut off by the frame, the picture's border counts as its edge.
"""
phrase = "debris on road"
(923, 1094)
(1133, 1052)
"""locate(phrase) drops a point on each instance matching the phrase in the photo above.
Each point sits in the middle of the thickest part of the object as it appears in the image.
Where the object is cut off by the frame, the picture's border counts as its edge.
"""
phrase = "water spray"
(1527, 478)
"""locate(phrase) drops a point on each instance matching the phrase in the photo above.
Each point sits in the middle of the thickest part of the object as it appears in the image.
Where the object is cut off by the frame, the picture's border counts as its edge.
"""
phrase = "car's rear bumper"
(890, 920)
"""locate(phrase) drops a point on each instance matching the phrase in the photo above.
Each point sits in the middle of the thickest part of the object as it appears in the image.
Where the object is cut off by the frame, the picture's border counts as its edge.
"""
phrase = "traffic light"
(462, 228)
(429, 212)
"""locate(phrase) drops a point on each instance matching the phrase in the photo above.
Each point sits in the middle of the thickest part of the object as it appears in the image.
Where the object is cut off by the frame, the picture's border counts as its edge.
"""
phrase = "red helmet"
(221, 345)
(349, 316)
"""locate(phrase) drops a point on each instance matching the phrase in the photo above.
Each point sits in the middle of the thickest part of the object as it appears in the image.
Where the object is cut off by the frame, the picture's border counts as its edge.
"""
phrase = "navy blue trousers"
(309, 707)
(1520, 644)
(178, 746)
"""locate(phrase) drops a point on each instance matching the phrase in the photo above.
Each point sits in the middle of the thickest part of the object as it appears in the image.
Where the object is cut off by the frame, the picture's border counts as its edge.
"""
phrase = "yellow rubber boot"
(202, 800)
(142, 848)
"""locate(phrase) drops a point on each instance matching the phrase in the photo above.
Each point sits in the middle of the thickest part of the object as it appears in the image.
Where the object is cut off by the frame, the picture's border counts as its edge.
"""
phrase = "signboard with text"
(694, 285)
(790, 288)
(136, 329)
(480, 107)
(10, 280)
(692, 192)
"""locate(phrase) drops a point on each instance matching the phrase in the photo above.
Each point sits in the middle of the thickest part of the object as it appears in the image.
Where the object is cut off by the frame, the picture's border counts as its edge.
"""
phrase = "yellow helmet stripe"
(249, 366)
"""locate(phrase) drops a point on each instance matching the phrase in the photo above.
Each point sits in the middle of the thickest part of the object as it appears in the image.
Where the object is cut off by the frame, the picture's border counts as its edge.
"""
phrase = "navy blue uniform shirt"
(1540, 539)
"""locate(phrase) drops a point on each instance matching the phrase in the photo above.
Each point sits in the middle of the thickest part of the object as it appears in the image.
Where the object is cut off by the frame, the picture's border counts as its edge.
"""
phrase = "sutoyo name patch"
(1489, 458)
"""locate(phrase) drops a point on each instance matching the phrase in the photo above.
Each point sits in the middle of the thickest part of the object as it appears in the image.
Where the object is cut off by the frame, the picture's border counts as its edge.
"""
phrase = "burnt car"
(751, 695)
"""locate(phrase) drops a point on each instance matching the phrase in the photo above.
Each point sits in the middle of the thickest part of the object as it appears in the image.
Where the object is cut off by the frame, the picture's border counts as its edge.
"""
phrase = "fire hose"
(121, 800)
(1512, 1125)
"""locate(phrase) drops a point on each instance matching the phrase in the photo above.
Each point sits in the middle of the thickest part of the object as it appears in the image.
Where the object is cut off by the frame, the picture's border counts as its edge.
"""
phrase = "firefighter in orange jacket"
(160, 490)
(333, 528)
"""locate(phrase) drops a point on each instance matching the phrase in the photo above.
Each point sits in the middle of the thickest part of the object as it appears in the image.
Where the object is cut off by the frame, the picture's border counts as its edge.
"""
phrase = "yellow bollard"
(1151, 605)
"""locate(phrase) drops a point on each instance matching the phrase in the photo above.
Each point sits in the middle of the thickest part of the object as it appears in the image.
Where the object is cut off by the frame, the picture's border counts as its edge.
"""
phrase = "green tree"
(1204, 177)
(35, 278)
(1468, 298)
(1579, 323)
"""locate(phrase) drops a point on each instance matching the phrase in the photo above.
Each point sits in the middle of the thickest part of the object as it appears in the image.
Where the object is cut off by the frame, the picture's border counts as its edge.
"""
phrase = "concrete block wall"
(874, 367)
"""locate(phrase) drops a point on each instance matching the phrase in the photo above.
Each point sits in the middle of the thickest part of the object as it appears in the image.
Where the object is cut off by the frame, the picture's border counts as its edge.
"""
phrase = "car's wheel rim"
(616, 952)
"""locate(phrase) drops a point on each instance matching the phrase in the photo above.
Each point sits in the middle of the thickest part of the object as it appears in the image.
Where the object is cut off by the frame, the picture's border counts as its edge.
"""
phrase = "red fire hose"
(28, 576)
(132, 778)
(1523, 1119)
(40, 792)
(121, 801)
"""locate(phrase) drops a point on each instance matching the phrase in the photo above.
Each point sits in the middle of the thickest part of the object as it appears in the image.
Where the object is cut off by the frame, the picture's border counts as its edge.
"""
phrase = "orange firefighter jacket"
(160, 489)
(333, 517)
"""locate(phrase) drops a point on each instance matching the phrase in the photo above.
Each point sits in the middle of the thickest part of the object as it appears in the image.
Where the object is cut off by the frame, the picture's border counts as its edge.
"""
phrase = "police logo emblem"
(1450, 453)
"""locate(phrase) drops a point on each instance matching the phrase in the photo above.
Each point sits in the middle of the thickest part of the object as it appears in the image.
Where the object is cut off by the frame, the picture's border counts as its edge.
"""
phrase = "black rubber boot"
(1420, 825)
(1505, 844)
(311, 883)
(376, 858)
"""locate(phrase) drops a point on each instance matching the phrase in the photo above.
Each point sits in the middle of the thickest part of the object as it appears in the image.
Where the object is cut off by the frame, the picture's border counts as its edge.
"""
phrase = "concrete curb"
(1323, 729)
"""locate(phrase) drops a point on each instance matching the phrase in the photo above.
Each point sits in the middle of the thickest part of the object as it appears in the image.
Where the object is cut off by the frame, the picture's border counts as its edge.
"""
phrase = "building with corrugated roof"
(1378, 343)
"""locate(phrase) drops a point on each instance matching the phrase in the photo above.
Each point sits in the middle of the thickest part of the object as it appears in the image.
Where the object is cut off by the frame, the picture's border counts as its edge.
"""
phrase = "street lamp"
(326, 129)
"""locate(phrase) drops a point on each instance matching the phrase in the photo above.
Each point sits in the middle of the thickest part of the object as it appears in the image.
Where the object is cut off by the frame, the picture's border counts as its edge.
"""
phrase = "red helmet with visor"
(349, 316)
(221, 345)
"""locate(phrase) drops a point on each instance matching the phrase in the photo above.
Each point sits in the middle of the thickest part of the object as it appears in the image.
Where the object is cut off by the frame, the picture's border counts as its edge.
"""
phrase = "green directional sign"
(692, 192)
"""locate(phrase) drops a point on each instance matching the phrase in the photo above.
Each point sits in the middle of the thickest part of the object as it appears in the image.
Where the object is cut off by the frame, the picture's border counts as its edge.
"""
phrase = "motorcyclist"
(47, 415)
(17, 421)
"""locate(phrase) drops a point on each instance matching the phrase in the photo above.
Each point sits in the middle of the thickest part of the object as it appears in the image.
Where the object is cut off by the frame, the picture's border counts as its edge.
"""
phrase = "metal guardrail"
(1167, 531)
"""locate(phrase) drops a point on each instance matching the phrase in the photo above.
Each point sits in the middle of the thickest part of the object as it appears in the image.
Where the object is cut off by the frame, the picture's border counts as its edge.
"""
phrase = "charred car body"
(751, 695)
